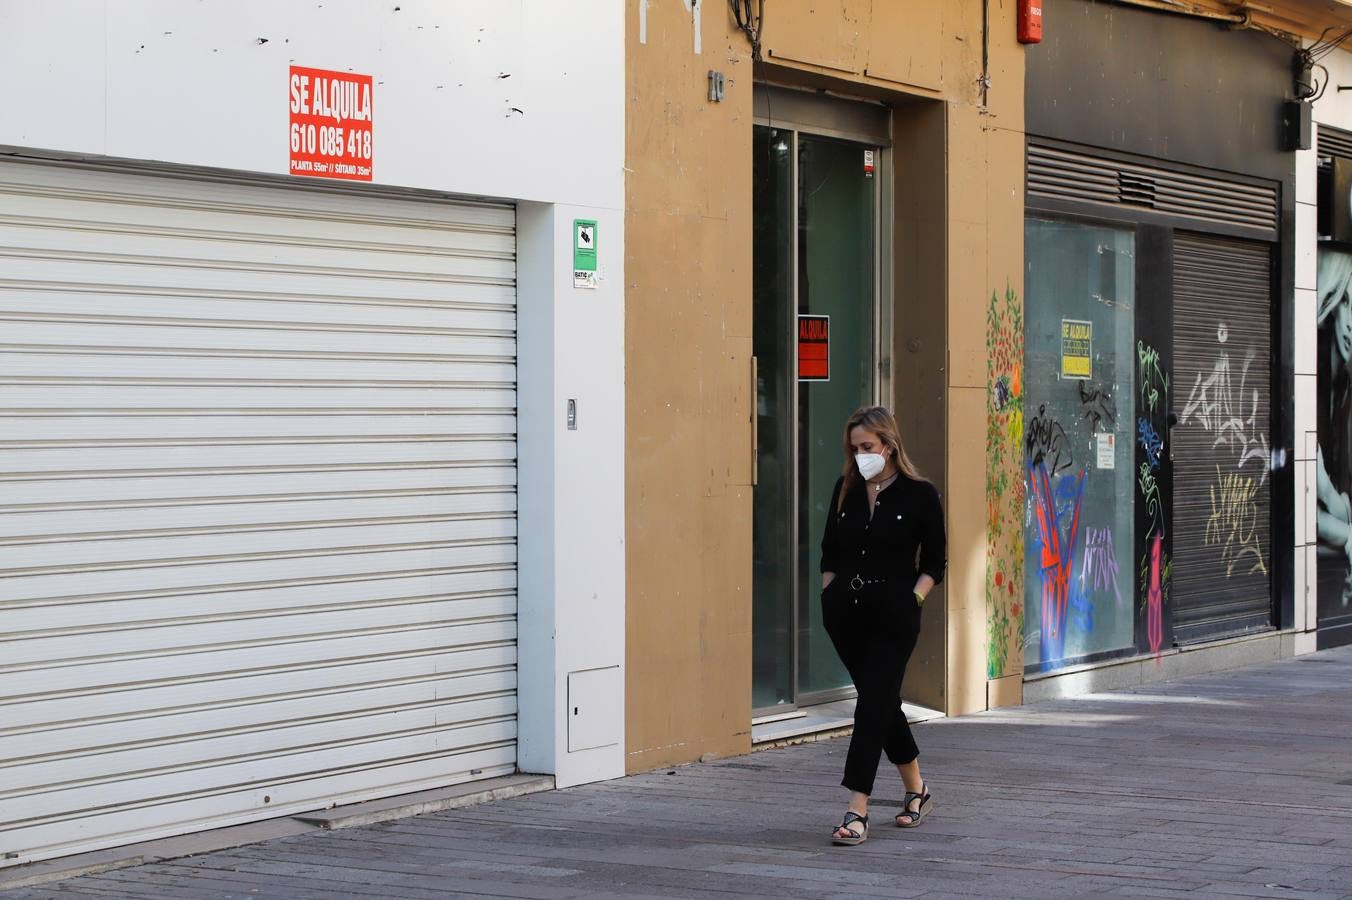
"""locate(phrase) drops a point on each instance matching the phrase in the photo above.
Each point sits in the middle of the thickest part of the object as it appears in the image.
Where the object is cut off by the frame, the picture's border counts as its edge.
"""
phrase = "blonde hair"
(1335, 275)
(880, 421)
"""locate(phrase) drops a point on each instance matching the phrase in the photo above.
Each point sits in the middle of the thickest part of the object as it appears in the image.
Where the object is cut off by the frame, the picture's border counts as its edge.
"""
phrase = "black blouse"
(904, 539)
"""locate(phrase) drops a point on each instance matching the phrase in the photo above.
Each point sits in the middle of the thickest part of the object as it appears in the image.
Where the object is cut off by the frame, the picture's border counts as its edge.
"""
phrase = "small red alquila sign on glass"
(331, 132)
(814, 348)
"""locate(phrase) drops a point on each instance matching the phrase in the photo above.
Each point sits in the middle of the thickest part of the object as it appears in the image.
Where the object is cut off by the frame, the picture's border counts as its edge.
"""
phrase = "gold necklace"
(877, 488)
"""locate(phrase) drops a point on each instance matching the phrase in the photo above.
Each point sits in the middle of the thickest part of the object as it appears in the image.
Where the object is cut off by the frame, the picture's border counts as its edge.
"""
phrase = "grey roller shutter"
(257, 501)
(1221, 395)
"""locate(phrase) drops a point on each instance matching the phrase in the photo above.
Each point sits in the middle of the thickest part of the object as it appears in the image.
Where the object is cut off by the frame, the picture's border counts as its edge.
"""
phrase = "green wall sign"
(584, 253)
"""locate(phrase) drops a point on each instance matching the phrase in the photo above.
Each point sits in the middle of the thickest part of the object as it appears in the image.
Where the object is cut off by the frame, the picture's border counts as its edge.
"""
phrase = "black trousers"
(874, 632)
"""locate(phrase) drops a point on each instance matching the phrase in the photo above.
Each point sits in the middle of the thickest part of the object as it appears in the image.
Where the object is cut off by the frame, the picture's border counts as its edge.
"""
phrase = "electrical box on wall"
(1298, 124)
(594, 706)
(1030, 21)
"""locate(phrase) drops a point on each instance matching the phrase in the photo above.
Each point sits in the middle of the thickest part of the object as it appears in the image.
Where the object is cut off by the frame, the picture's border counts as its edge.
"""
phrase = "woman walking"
(883, 551)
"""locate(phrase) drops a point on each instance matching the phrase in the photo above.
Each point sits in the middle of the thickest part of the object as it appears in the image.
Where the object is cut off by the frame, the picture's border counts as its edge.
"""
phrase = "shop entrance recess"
(820, 176)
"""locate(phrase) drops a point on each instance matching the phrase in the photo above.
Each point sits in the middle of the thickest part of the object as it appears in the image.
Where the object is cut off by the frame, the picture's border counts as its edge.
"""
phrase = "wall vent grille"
(1056, 172)
(1135, 190)
(1334, 142)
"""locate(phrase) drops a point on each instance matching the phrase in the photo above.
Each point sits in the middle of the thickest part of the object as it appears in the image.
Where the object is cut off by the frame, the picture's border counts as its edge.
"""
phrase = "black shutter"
(1220, 448)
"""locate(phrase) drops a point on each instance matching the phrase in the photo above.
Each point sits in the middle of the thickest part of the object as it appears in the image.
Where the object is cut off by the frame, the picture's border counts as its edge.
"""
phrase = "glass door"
(773, 589)
(815, 285)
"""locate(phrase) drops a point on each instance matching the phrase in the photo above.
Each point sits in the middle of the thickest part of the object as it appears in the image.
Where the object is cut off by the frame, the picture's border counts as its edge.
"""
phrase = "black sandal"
(859, 837)
(915, 816)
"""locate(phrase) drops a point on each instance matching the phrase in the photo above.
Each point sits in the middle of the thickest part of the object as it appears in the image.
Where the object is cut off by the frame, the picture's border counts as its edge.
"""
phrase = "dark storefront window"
(1209, 200)
(1079, 356)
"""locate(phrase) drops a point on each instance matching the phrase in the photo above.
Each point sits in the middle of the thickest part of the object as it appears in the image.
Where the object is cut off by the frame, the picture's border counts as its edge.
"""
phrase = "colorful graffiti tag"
(1230, 413)
(1100, 571)
(1058, 551)
(1150, 441)
(1225, 420)
(1151, 377)
(1233, 525)
(1004, 481)
(1154, 580)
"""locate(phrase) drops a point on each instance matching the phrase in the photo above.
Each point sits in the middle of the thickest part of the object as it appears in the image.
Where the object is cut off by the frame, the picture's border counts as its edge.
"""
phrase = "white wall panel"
(191, 83)
(1306, 336)
(1307, 229)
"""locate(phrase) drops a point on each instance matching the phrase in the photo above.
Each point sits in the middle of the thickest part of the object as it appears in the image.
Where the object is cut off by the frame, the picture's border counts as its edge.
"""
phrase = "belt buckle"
(856, 584)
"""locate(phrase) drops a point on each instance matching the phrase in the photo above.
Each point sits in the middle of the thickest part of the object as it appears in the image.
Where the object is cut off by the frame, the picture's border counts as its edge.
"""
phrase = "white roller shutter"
(257, 501)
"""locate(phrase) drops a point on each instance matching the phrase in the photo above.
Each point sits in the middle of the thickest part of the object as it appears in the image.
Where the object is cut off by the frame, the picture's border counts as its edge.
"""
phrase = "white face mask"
(870, 464)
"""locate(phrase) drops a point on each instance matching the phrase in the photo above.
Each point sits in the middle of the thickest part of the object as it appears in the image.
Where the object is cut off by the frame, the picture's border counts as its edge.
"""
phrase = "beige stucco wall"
(958, 241)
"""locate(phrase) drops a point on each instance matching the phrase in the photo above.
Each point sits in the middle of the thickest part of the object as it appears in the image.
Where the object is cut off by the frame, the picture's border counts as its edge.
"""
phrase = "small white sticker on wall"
(1107, 450)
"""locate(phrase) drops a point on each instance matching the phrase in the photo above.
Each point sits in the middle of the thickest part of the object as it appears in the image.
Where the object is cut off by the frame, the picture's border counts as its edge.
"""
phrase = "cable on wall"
(984, 82)
(1308, 59)
(750, 18)
(1237, 20)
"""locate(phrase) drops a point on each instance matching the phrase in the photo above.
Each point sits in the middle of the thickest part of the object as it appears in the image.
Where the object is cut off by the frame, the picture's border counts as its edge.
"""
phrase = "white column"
(1305, 417)
(571, 487)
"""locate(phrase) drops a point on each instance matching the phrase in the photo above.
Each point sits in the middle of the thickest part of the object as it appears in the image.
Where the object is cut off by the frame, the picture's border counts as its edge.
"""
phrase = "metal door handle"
(755, 424)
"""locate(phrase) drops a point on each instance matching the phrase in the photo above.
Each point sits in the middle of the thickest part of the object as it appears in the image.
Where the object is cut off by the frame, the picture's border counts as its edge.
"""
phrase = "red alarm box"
(1030, 21)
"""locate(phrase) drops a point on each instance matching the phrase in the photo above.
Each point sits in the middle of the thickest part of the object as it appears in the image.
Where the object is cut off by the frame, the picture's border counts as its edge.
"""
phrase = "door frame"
(867, 123)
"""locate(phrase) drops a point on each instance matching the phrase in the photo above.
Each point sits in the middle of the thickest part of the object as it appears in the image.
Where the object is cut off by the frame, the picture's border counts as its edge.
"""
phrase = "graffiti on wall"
(1228, 411)
(1156, 576)
(1100, 570)
(1096, 405)
(1046, 443)
(1004, 480)
(1079, 445)
(1233, 525)
(1151, 442)
(1074, 577)
(1224, 402)
(1155, 565)
(1058, 530)
(1065, 603)
(1151, 378)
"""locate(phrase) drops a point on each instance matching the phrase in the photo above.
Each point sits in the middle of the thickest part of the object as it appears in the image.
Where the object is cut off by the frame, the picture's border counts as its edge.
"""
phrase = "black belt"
(858, 582)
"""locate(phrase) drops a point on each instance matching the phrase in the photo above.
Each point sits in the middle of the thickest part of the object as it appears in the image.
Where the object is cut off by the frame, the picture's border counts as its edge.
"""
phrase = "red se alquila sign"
(814, 348)
(331, 131)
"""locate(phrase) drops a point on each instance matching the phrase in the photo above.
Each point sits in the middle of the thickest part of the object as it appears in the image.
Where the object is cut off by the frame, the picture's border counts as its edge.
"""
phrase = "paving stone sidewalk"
(1237, 784)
